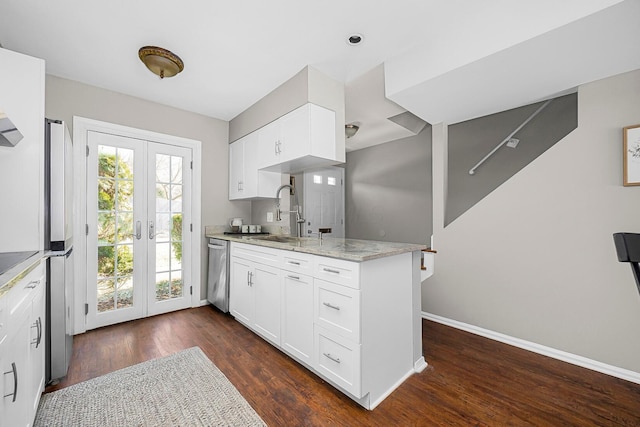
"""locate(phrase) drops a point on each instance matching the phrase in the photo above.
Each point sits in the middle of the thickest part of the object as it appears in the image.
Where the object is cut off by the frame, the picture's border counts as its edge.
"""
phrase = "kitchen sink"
(279, 239)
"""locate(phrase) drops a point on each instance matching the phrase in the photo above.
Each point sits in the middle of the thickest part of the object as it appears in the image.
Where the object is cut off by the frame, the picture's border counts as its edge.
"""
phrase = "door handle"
(152, 230)
(138, 233)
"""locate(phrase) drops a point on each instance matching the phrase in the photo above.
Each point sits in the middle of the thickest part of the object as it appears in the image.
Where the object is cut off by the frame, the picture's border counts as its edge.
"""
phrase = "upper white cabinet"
(302, 139)
(22, 167)
(299, 140)
(245, 180)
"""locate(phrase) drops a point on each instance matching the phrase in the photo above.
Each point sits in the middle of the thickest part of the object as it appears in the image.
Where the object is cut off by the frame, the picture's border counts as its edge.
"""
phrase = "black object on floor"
(628, 249)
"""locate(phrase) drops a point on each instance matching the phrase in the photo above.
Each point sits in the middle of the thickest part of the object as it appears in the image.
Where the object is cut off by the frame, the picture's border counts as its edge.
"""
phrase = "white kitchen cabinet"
(22, 350)
(236, 170)
(266, 284)
(301, 139)
(349, 322)
(297, 319)
(245, 180)
(22, 167)
(254, 297)
(37, 345)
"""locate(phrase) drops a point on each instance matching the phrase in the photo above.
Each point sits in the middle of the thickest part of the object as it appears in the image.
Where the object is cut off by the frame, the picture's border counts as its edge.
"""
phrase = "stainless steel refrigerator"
(59, 241)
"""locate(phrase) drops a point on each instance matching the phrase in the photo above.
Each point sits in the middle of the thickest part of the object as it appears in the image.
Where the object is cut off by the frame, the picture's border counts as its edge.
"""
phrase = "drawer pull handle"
(328, 304)
(32, 284)
(330, 270)
(13, 370)
(294, 262)
(329, 356)
(293, 277)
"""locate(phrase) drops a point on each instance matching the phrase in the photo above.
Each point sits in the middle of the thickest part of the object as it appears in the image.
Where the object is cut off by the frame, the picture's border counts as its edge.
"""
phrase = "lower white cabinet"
(297, 319)
(351, 323)
(22, 354)
(338, 359)
(255, 297)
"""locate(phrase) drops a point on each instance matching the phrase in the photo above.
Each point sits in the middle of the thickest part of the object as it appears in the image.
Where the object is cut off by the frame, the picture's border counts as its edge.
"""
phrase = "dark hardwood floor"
(470, 380)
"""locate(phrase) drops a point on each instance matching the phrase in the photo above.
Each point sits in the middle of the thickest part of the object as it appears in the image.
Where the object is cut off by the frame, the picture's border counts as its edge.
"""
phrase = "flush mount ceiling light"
(355, 39)
(350, 129)
(160, 61)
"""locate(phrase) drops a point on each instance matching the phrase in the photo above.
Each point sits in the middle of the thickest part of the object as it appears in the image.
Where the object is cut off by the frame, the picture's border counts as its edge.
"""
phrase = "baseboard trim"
(574, 359)
(420, 365)
(203, 302)
(372, 405)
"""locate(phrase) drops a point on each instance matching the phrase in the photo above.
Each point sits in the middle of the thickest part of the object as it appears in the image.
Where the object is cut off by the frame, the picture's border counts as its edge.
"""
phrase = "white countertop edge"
(388, 248)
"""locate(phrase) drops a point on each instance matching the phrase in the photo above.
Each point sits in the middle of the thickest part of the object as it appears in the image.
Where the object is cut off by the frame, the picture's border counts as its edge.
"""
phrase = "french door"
(138, 218)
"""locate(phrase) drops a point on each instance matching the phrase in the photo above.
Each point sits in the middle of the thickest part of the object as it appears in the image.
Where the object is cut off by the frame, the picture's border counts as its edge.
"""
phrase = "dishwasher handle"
(216, 246)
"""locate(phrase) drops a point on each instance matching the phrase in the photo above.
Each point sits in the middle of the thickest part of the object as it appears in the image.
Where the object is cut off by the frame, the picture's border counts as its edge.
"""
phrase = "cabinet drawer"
(346, 273)
(337, 309)
(297, 262)
(338, 359)
(256, 253)
(18, 299)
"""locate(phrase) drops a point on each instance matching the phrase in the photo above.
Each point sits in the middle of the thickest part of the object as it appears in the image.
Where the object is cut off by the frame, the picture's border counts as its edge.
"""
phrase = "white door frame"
(81, 126)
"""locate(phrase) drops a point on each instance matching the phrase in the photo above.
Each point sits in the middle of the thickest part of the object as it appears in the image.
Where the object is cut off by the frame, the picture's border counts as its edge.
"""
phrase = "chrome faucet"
(299, 219)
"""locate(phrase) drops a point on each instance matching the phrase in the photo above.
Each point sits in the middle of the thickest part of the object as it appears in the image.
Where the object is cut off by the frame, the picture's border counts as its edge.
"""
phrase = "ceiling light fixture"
(355, 39)
(160, 61)
(350, 129)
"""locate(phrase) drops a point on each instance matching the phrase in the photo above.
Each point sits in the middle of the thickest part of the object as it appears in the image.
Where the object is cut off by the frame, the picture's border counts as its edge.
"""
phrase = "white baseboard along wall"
(574, 359)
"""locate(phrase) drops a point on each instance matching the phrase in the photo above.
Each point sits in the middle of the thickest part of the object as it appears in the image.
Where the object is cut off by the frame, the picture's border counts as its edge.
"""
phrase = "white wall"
(535, 259)
(66, 98)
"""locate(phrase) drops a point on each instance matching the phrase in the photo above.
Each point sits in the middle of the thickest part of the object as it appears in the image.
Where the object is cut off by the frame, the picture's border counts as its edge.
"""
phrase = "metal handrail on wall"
(504, 141)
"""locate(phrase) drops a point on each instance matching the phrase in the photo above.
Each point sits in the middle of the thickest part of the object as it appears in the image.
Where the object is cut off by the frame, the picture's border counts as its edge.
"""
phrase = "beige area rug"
(184, 389)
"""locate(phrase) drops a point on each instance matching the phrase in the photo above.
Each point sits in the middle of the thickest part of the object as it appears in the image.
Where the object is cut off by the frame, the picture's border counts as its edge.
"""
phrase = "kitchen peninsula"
(346, 309)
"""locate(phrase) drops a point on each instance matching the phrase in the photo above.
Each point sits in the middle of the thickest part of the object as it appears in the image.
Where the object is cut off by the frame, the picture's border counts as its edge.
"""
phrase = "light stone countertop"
(16, 273)
(347, 249)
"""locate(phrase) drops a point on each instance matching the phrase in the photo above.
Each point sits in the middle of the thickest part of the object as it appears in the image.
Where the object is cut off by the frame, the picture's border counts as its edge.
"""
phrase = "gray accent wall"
(535, 259)
(388, 191)
(67, 98)
(471, 140)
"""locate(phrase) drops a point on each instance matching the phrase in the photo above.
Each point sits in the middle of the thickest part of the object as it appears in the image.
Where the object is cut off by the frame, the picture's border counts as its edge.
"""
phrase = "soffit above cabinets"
(597, 46)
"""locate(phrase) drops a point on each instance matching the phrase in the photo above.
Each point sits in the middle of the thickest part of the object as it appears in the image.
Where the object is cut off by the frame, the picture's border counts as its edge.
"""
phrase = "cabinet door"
(36, 349)
(266, 287)
(236, 169)
(297, 317)
(269, 144)
(295, 135)
(15, 410)
(240, 291)
(257, 183)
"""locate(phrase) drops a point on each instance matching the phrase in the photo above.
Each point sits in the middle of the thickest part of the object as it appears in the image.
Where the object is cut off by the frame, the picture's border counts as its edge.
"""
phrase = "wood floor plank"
(470, 380)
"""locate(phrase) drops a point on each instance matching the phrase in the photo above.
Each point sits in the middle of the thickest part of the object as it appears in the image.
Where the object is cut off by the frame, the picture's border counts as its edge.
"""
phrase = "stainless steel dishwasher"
(218, 277)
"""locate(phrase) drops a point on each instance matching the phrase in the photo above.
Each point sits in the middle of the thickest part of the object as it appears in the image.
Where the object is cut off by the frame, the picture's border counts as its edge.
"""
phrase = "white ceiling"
(235, 52)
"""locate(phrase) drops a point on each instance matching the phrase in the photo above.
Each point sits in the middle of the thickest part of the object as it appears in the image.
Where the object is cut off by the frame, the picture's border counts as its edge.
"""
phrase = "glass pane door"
(139, 238)
(170, 194)
(116, 256)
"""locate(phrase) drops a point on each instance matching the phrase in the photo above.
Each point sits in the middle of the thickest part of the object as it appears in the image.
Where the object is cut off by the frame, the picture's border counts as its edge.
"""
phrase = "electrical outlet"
(269, 216)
